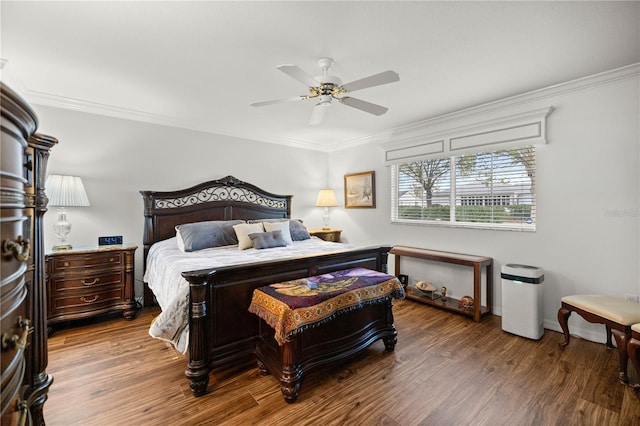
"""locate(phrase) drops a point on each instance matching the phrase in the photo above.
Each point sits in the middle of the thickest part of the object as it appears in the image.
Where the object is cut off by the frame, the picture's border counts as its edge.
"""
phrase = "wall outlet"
(404, 279)
(632, 297)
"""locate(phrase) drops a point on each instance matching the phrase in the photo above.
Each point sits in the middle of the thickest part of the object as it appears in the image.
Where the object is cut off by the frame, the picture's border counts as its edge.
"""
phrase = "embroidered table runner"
(292, 306)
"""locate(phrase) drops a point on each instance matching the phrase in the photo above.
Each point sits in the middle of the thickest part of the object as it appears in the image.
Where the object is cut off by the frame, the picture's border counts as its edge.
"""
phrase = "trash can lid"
(525, 271)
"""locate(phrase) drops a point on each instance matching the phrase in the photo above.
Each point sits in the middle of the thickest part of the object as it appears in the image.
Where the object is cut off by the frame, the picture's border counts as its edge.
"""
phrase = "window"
(487, 190)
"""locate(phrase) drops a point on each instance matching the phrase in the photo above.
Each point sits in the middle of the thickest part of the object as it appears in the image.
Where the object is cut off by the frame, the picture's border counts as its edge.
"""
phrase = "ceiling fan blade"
(297, 73)
(278, 101)
(318, 114)
(364, 105)
(373, 80)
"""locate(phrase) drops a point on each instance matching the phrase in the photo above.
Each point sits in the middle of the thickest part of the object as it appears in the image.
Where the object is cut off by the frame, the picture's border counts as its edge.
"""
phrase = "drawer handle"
(112, 259)
(28, 164)
(18, 342)
(19, 249)
(85, 300)
(87, 283)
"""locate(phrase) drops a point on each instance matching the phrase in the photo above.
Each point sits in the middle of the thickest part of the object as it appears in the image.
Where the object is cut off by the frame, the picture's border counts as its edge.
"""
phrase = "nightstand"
(327, 234)
(87, 281)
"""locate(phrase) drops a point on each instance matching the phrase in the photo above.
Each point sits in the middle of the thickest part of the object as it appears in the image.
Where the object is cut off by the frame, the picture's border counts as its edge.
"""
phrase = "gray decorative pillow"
(296, 228)
(202, 235)
(264, 240)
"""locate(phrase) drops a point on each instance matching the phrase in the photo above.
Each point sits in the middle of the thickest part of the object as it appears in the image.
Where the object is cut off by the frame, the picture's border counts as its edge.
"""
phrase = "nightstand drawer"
(88, 301)
(332, 235)
(70, 264)
(87, 281)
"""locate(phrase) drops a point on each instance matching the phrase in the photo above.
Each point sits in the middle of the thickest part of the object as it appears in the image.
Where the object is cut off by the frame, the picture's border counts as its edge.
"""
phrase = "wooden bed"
(222, 331)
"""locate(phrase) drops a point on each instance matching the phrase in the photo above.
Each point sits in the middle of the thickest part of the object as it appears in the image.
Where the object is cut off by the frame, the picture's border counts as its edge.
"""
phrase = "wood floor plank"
(445, 370)
(587, 413)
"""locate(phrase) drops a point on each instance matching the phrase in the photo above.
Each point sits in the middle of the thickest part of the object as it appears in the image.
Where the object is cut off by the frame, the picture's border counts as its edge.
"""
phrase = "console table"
(477, 262)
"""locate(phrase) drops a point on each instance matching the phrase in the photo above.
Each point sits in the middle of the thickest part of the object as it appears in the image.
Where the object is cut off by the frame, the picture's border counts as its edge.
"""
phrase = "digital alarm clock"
(109, 241)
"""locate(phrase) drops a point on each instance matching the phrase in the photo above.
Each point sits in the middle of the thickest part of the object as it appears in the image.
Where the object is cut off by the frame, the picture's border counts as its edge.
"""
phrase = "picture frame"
(360, 190)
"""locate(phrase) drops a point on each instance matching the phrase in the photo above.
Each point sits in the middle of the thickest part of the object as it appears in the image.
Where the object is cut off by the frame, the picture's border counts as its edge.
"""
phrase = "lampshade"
(326, 198)
(66, 191)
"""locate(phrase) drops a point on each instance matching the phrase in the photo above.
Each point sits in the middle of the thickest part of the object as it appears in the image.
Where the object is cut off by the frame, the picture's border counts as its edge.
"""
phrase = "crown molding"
(495, 110)
(63, 102)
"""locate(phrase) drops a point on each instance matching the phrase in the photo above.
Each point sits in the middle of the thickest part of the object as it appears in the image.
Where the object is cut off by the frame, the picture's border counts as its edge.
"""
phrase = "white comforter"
(165, 264)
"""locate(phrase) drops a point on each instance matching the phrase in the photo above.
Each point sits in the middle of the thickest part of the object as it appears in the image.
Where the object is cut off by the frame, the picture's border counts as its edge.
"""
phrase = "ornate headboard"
(223, 199)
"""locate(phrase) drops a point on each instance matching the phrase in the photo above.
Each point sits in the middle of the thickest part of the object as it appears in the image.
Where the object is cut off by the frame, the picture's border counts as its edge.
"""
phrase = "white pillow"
(242, 232)
(280, 226)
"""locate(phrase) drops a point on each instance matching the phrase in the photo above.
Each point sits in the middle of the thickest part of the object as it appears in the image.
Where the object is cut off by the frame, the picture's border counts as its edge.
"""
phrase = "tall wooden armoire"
(23, 309)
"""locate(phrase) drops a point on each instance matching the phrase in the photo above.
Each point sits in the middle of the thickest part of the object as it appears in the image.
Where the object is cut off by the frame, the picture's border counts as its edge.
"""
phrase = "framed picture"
(360, 190)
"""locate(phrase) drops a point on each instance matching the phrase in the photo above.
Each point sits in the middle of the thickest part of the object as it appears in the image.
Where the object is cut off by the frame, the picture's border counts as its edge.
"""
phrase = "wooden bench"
(616, 313)
(304, 325)
(633, 349)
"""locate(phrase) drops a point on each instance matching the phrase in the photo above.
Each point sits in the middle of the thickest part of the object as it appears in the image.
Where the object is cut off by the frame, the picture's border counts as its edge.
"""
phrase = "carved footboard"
(221, 329)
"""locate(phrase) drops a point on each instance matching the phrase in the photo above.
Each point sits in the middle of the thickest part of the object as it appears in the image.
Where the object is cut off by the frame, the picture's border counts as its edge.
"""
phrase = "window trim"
(466, 135)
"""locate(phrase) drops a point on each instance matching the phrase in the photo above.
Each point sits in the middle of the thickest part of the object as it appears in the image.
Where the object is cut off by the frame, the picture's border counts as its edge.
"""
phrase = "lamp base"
(326, 228)
(62, 229)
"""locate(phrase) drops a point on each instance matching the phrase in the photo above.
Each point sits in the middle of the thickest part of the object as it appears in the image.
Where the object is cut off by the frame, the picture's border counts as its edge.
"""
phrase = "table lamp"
(64, 191)
(326, 199)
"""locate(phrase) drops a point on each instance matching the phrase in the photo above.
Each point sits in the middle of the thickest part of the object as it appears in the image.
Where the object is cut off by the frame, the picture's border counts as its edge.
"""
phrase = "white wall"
(587, 210)
(118, 158)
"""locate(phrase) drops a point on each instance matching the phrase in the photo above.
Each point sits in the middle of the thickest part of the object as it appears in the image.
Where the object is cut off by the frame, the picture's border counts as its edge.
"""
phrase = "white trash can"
(522, 298)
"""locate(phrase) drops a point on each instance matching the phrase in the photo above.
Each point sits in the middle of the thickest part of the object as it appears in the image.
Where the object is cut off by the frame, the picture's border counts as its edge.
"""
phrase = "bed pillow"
(202, 235)
(296, 227)
(264, 240)
(279, 226)
(242, 232)
(298, 230)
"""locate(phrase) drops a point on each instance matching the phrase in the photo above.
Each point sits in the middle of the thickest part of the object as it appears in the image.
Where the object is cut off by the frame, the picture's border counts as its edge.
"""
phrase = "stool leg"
(621, 341)
(633, 351)
(563, 318)
(609, 343)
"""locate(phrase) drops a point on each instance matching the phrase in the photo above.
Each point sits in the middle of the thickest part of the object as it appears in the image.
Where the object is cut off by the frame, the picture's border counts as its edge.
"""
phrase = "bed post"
(199, 364)
(147, 240)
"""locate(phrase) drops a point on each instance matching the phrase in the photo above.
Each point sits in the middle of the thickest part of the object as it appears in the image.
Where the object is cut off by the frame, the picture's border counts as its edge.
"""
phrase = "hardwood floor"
(446, 370)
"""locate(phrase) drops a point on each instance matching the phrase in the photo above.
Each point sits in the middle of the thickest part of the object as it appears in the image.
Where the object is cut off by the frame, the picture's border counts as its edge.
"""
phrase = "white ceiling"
(199, 65)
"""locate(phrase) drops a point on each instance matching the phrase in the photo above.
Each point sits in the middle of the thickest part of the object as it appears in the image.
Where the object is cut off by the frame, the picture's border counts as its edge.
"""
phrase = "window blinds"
(493, 189)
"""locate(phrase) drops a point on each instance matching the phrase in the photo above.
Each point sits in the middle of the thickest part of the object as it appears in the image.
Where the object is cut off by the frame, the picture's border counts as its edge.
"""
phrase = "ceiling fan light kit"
(327, 87)
(325, 100)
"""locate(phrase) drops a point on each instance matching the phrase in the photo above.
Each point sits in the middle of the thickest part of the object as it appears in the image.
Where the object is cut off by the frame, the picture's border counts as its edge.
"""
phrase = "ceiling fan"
(328, 87)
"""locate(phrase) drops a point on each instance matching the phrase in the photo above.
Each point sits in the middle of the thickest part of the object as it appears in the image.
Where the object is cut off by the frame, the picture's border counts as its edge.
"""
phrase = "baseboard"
(577, 327)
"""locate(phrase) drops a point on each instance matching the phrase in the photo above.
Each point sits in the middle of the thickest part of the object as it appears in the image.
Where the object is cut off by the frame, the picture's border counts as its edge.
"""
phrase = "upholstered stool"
(633, 349)
(616, 313)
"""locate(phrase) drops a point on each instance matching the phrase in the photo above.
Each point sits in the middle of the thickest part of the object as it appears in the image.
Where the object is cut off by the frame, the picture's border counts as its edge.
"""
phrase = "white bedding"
(165, 264)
